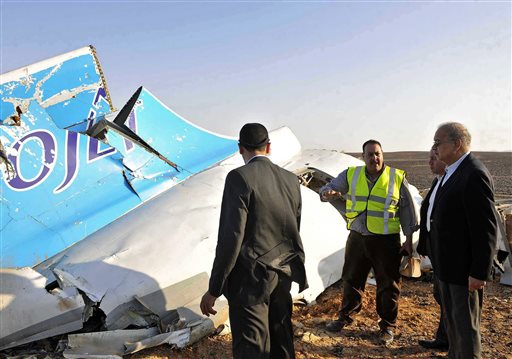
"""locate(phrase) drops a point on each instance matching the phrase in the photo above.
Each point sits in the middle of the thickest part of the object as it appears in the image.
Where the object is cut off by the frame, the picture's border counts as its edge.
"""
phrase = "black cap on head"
(253, 135)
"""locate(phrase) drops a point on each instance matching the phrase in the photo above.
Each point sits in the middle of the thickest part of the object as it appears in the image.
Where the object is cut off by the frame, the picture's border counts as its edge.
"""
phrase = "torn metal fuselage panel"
(68, 184)
(159, 147)
(61, 192)
(55, 313)
(60, 185)
(48, 97)
(70, 87)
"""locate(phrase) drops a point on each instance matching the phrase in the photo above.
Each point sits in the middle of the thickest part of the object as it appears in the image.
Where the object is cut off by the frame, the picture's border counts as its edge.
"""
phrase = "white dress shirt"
(441, 180)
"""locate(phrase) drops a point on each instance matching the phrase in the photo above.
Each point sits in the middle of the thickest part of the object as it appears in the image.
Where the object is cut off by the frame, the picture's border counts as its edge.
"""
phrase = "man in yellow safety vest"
(378, 203)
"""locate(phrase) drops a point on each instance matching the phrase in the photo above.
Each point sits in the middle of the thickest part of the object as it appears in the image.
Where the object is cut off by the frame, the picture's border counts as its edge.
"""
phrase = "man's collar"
(451, 168)
(255, 156)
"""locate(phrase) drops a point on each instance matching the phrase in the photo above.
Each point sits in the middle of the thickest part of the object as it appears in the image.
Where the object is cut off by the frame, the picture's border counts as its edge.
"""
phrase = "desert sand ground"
(418, 318)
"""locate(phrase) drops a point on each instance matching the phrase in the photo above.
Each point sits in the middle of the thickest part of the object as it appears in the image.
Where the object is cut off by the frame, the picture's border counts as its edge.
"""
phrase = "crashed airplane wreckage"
(112, 217)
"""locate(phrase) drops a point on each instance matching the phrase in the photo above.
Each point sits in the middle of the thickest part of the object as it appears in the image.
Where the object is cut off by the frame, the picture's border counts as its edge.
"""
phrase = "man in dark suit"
(259, 251)
(463, 230)
(438, 169)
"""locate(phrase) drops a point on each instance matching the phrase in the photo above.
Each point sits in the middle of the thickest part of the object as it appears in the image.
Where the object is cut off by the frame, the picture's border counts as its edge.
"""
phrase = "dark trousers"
(441, 335)
(264, 330)
(382, 253)
(462, 310)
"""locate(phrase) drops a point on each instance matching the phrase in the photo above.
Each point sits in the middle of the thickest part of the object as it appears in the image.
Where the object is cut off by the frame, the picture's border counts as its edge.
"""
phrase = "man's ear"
(458, 145)
(241, 149)
(267, 148)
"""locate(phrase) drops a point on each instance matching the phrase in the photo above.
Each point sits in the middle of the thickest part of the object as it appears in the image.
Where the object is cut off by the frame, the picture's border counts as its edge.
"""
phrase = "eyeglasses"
(438, 143)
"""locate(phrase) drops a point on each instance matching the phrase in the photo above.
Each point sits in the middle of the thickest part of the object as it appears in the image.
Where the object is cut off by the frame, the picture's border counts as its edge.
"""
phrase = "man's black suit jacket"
(423, 247)
(259, 230)
(463, 226)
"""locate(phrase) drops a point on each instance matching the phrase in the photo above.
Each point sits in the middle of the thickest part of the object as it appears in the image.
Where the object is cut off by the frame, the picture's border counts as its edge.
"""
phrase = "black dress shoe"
(433, 344)
(336, 325)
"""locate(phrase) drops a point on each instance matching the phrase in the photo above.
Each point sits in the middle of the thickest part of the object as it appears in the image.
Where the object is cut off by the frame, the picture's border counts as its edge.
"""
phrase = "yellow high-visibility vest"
(380, 205)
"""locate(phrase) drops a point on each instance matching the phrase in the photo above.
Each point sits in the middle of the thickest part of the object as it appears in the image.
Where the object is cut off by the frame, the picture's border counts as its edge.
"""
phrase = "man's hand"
(329, 194)
(475, 284)
(207, 303)
(407, 246)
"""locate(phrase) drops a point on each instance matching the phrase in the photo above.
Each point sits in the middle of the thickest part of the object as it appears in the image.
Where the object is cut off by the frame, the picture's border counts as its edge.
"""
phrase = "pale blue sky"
(336, 73)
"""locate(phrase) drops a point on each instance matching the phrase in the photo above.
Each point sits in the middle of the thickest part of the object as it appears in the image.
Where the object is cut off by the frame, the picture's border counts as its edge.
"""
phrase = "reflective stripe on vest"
(380, 205)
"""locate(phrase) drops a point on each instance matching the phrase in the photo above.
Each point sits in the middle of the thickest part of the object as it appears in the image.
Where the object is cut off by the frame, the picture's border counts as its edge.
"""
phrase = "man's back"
(259, 229)
(273, 205)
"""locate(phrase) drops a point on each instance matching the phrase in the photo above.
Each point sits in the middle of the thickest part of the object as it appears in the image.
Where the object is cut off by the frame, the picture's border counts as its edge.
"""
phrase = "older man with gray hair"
(463, 232)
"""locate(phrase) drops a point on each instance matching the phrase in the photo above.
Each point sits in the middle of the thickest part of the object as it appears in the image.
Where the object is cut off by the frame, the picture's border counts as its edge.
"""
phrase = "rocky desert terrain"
(418, 318)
